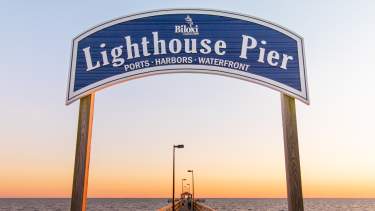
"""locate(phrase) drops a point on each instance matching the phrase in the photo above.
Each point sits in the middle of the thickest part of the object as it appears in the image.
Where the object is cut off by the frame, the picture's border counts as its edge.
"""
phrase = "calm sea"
(219, 204)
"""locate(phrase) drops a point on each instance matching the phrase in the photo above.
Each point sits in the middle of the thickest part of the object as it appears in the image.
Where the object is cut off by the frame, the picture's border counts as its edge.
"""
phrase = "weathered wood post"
(82, 158)
(292, 164)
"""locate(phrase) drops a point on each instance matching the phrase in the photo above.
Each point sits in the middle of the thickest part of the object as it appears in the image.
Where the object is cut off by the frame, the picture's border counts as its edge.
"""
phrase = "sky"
(231, 129)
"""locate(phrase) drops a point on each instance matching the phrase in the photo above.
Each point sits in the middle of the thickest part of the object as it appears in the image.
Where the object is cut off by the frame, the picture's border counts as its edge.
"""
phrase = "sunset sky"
(231, 129)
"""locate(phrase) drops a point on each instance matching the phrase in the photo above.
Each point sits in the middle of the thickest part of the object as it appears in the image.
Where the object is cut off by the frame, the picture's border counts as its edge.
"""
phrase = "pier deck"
(183, 205)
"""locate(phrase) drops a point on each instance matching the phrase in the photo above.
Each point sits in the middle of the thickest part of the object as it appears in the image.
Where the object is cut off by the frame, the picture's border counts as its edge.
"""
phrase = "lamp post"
(182, 185)
(192, 181)
(188, 186)
(174, 148)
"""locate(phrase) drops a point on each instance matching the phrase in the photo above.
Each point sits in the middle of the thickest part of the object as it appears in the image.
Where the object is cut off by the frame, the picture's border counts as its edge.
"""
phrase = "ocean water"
(218, 204)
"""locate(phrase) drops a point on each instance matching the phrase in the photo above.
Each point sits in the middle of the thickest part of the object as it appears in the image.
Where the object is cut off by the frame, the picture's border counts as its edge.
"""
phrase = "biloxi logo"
(188, 28)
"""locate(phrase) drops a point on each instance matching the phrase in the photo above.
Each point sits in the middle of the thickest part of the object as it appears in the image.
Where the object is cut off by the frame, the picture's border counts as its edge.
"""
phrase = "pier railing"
(179, 206)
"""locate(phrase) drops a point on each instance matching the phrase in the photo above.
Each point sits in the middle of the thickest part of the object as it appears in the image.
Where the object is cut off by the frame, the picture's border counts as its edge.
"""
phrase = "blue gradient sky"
(231, 128)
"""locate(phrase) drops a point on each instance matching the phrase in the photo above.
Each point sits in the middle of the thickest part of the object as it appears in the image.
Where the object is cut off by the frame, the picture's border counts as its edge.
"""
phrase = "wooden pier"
(185, 203)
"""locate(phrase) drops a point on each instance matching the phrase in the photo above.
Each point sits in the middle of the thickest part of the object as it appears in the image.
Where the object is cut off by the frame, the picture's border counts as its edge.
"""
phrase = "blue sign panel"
(188, 41)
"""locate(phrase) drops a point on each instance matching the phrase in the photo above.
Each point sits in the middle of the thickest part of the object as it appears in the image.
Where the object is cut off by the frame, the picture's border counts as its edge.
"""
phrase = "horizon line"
(199, 197)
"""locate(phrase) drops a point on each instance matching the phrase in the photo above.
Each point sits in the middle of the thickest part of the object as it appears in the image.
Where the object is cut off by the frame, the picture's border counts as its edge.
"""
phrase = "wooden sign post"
(292, 164)
(82, 158)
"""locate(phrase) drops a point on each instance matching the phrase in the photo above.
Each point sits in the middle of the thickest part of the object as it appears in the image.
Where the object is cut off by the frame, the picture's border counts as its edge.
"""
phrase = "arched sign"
(188, 40)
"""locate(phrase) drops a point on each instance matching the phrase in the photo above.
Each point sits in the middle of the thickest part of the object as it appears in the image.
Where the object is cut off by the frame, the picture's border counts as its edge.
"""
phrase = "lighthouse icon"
(189, 21)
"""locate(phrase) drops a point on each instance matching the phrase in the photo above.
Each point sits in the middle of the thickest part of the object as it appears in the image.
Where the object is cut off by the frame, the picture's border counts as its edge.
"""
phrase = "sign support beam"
(292, 163)
(82, 158)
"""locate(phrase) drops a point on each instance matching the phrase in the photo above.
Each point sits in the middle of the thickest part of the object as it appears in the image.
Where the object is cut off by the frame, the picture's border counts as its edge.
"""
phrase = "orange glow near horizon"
(59, 186)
